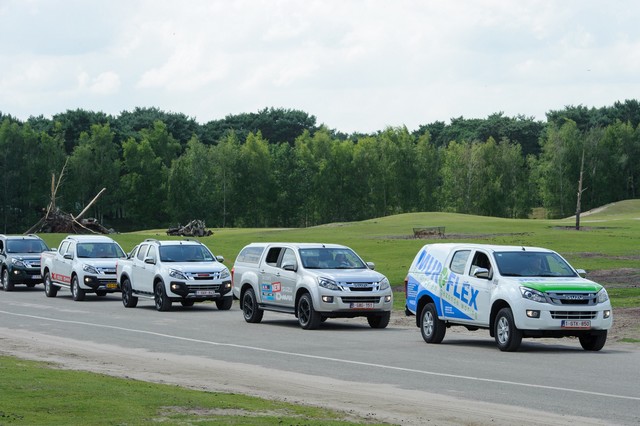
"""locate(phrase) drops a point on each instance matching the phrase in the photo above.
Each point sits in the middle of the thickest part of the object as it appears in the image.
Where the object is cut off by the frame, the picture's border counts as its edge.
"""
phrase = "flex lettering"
(429, 265)
(462, 291)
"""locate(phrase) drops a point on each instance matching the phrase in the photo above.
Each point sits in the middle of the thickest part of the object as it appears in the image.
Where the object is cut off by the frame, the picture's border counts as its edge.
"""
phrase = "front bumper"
(214, 290)
(25, 276)
(543, 319)
(353, 304)
(106, 283)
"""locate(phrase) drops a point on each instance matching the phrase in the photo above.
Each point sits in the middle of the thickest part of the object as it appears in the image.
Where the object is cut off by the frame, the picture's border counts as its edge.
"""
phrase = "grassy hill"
(608, 239)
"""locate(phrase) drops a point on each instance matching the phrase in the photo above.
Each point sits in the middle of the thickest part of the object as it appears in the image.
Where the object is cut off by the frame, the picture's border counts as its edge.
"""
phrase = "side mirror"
(68, 256)
(371, 266)
(582, 273)
(150, 260)
(289, 267)
(220, 259)
(481, 273)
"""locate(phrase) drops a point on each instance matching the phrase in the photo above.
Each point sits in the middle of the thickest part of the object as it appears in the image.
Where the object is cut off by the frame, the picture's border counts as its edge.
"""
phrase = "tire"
(160, 297)
(224, 304)
(77, 293)
(101, 293)
(432, 328)
(507, 335)
(593, 342)
(379, 321)
(308, 317)
(128, 299)
(7, 285)
(187, 303)
(250, 309)
(50, 290)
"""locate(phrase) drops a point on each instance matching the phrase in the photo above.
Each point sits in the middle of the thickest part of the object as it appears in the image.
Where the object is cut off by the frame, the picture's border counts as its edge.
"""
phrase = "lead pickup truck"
(514, 292)
(83, 264)
(312, 281)
(174, 271)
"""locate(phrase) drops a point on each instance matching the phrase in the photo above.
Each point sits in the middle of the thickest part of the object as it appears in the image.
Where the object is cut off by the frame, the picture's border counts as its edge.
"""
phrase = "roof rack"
(155, 240)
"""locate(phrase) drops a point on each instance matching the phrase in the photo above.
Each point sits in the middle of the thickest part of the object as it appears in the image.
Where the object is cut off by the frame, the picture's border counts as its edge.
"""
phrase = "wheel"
(432, 328)
(50, 290)
(160, 296)
(6, 284)
(508, 337)
(187, 303)
(101, 293)
(128, 299)
(250, 310)
(224, 304)
(308, 317)
(77, 293)
(593, 342)
(379, 321)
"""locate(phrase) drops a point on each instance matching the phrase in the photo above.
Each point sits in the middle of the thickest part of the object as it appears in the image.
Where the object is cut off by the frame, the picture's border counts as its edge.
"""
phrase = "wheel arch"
(424, 299)
(243, 289)
(495, 308)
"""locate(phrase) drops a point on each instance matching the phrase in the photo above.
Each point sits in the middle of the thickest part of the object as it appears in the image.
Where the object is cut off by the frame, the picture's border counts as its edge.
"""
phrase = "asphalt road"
(389, 375)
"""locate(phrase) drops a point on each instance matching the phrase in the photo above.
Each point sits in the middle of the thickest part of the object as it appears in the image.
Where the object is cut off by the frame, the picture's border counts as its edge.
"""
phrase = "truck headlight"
(384, 284)
(17, 262)
(174, 273)
(90, 269)
(603, 296)
(328, 284)
(224, 274)
(533, 295)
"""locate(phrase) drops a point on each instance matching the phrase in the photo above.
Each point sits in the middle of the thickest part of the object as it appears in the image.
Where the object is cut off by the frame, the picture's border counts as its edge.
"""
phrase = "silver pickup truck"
(312, 281)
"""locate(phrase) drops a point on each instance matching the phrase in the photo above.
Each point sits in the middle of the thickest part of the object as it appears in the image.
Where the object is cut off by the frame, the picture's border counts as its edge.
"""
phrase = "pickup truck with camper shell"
(20, 260)
(312, 281)
(512, 291)
(170, 271)
(83, 264)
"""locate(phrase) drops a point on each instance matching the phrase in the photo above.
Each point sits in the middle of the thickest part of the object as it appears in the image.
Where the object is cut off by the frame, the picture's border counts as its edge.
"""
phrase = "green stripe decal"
(563, 286)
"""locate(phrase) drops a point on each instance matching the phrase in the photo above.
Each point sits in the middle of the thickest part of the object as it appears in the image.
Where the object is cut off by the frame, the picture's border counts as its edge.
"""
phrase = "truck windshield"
(330, 258)
(532, 264)
(185, 253)
(26, 246)
(100, 250)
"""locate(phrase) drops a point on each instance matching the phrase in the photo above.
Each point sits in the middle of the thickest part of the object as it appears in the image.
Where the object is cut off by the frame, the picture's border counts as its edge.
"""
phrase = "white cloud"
(356, 65)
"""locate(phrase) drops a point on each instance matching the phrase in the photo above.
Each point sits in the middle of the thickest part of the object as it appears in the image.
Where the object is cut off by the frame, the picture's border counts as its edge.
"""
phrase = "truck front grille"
(573, 298)
(194, 287)
(572, 315)
(203, 276)
(353, 299)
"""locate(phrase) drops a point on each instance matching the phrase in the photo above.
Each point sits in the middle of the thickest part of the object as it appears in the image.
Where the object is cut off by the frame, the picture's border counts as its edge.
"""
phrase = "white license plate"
(361, 305)
(205, 293)
(36, 277)
(576, 324)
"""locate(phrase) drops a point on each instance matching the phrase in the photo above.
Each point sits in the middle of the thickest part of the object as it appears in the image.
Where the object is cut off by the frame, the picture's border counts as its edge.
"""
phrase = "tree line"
(279, 168)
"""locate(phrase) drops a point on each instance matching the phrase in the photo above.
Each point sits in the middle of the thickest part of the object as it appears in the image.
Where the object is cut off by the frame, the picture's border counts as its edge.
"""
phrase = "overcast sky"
(355, 65)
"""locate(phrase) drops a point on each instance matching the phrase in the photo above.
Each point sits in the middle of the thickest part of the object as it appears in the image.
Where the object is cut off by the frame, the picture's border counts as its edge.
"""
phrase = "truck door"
(287, 276)
(65, 261)
(143, 272)
(478, 294)
(270, 277)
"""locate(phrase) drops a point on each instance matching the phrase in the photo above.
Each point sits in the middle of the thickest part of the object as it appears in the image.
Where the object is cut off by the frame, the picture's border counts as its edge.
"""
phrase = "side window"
(63, 247)
(1, 246)
(152, 253)
(288, 258)
(480, 260)
(459, 261)
(71, 249)
(142, 251)
(250, 254)
(272, 256)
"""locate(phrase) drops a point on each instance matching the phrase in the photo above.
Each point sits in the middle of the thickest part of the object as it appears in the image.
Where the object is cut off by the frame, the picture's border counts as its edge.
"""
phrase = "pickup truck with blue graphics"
(512, 291)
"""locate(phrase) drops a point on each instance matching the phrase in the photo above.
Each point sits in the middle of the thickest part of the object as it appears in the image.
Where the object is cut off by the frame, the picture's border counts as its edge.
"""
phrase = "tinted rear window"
(250, 255)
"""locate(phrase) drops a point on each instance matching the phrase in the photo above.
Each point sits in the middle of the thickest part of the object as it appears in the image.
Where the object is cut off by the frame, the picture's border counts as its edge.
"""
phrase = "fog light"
(327, 299)
(175, 287)
(533, 314)
(87, 280)
(387, 299)
(606, 314)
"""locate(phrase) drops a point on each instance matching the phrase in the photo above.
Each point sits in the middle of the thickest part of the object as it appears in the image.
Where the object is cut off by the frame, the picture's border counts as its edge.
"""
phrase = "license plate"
(36, 277)
(205, 293)
(576, 324)
(361, 305)
(112, 285)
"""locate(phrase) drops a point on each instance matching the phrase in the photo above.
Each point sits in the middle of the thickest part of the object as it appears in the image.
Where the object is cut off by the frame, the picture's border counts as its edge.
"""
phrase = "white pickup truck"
(514, 292)
(169, 271)
(312, 281)
(83, 264)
